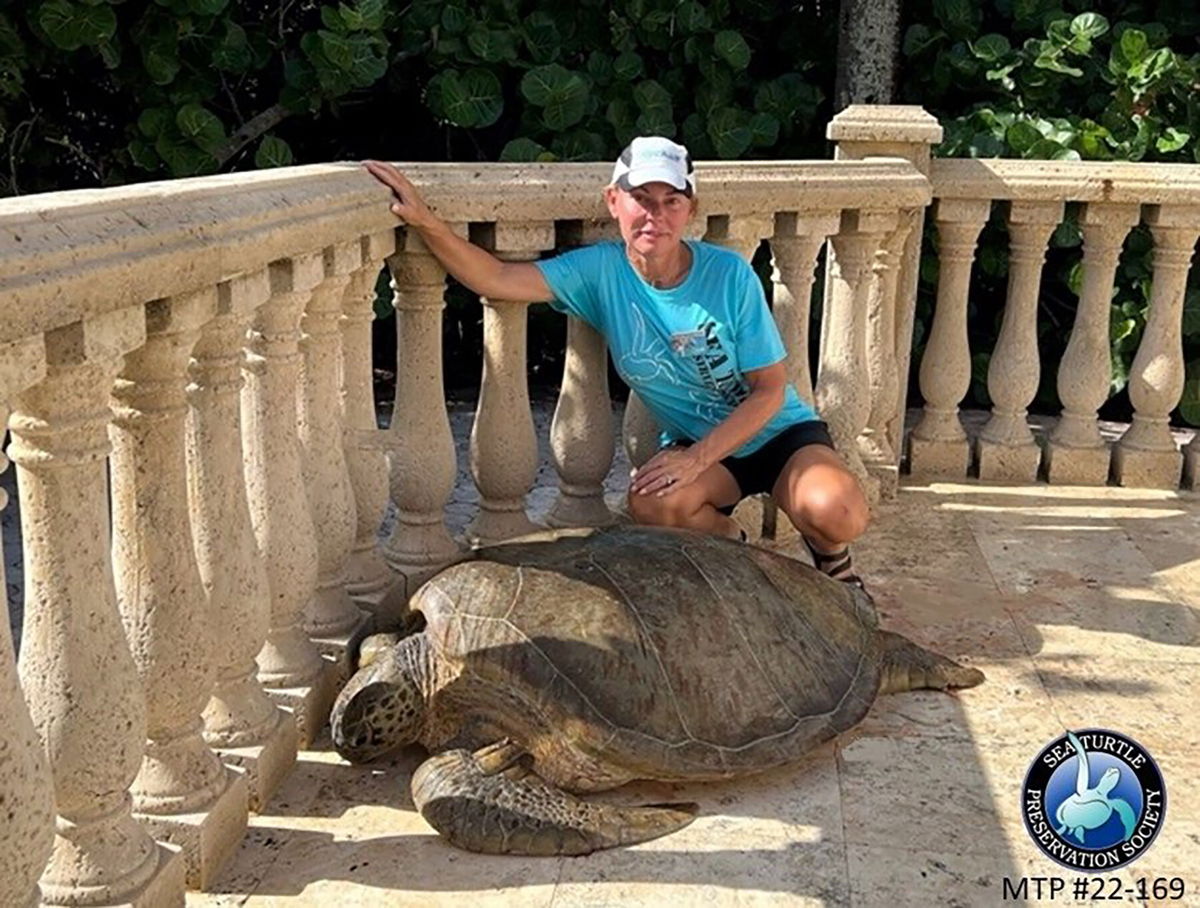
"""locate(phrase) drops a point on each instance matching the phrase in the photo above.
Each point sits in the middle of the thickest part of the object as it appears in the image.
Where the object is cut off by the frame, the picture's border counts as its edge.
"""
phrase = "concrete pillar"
(795, 245)
(420, 443)
(843, 384)
(331, 616)
(1076, 454)
(504, 455)
(240, 721)
(582, 445)
(581, 431)
(183, 793)
(939, 446)
(79, 678)
(1147, 456)
(25, 783)
(1007, 450)
(367, 575)
(289, 666)
(880, 457)
(864, 131)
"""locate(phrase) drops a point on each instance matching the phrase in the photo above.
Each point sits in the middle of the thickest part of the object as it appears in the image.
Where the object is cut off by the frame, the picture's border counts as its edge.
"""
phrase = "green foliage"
(1059, 80)
(166, 88)
(171, 88)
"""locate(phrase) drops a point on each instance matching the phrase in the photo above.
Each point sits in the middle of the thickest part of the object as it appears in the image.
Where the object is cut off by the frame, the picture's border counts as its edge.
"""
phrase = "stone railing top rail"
(68, 255)
(1066, 181)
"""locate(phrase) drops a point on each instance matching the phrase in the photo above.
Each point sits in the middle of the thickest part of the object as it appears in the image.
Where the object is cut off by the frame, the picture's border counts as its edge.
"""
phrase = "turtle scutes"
(576, 662)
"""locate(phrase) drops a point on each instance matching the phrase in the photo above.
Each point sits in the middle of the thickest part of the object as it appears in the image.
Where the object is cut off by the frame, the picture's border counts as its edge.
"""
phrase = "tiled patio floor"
(1077, 604)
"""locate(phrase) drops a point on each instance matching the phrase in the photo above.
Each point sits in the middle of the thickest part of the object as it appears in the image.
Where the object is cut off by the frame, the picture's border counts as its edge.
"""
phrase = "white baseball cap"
(655, 159)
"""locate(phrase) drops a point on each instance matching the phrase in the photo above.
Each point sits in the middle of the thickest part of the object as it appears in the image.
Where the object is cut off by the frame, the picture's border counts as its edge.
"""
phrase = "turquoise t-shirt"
(684, 350)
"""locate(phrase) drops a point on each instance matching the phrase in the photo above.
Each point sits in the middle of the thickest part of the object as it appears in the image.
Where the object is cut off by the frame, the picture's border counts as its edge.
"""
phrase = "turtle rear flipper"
(907, 666)
(491, 802)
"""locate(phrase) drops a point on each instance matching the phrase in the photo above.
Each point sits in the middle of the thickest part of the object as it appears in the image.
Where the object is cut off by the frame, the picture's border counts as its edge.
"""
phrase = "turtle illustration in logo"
(1090, 806)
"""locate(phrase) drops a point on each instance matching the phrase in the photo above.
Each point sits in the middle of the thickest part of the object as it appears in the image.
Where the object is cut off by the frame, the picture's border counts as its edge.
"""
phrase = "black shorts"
(757, 472)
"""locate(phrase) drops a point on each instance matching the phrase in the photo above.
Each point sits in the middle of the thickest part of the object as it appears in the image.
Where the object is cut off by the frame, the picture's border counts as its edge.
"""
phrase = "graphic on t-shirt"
(647, 358)
(687, 343)
(716, 367)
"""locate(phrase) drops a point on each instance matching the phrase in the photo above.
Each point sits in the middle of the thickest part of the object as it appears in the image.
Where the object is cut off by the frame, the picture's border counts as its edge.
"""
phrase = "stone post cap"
(885, 123)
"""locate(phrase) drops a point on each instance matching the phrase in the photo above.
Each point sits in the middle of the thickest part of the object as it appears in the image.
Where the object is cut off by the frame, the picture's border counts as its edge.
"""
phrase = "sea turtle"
(580, 660)
(1090, 807)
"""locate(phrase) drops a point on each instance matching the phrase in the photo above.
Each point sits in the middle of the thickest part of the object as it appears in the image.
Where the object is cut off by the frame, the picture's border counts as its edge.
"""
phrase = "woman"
(690, 332)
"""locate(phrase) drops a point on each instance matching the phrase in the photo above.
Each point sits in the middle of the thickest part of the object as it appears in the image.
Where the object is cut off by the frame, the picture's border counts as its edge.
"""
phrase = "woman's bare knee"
(835, 509)
(839, 512)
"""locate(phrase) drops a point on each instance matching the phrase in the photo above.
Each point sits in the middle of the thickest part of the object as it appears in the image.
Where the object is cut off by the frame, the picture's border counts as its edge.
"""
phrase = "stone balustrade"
(1113, 199)
(193, 358)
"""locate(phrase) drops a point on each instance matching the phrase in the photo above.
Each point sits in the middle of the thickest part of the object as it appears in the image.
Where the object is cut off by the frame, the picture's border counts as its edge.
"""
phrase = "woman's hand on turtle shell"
(408, 203)
(667, 471)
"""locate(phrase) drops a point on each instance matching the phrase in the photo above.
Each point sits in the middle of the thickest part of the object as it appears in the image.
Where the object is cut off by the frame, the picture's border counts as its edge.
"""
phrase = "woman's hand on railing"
(408, 203)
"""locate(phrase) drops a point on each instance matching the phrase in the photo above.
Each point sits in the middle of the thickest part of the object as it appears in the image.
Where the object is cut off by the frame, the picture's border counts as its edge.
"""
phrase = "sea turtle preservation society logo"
(1093, 800)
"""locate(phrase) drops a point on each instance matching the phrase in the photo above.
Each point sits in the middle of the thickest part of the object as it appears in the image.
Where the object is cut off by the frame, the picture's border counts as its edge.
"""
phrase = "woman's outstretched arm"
(472, 266)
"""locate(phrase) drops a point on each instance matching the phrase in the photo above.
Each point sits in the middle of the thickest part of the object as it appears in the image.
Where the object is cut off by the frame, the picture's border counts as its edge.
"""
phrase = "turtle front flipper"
(907, 666)
(490, 801)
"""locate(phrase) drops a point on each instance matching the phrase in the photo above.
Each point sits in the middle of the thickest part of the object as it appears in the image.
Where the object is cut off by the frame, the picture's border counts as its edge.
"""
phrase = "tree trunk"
(868, 52)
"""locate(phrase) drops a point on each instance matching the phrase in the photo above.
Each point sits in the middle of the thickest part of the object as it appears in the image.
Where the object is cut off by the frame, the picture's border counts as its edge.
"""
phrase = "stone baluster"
(419, 438)
(795, 245)
(183, 793)
(843, 384)
(79, 678)
(504, 454)
(1147, 456)
(863, 131)
(240, 720)
(939, 446)
(367, 575)
(581, 431)
(1076, 453)
(25, 784)
(331, 617)
(875, 444)
(639, 431)
(1007, 450)
(289, 666)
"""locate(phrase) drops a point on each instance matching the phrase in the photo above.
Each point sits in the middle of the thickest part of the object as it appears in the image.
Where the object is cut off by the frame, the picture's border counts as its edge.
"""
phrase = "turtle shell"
(666, 653)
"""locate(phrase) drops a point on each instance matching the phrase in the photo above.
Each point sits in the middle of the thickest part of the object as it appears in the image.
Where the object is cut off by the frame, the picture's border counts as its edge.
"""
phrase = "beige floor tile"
(1075, 621)
(911, 538)
(657, 874)
(1154, 701)
(322, 868)
(801, 802)
(926, 791)
(1033, 553)
(889, 877)
(956, 616)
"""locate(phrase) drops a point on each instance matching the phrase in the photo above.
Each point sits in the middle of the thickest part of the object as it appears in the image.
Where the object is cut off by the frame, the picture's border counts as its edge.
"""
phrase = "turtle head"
(382, 707)
(1109, 780)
